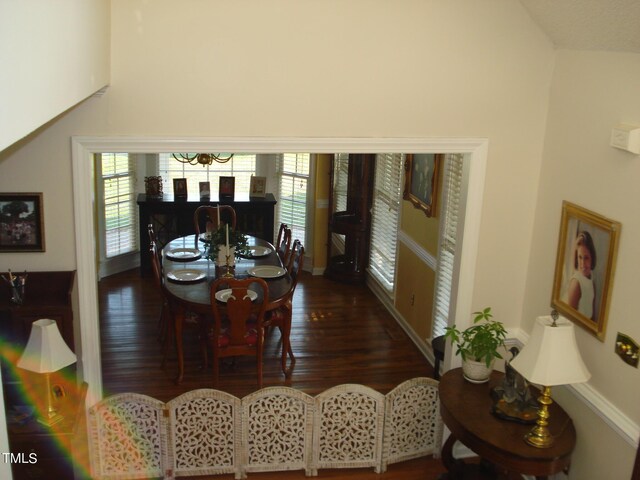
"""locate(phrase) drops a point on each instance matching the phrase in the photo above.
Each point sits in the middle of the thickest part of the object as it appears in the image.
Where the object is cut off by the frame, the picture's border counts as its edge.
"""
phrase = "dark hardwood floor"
(340, 334)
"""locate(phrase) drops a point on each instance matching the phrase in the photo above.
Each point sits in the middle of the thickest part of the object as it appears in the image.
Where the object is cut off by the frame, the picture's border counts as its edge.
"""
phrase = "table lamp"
(549, 358)
(46, 352)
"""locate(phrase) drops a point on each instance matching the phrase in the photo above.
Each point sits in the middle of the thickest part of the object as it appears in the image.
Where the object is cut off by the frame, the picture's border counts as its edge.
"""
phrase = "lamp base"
(539, 436)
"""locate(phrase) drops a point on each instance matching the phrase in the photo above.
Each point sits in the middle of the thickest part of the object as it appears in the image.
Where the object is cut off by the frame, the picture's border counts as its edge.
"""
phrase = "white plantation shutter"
(387, 193)
(120, 219)
(241, 166)
(340, 182)
(292, 204)
(452, 185)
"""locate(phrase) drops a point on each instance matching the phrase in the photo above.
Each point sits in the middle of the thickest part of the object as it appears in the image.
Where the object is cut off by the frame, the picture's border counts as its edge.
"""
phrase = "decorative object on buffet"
(227, 187)
(18, 284)
(46, 352)
(550, 357)
(180, 188)
(153, 186)
(205, 189)
(21, 222)
(478, 345)
(258, 187)
(203, 159)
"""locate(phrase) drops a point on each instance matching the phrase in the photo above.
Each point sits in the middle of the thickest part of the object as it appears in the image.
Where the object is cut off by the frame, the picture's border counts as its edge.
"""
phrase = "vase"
(477, 372)
(222, 256)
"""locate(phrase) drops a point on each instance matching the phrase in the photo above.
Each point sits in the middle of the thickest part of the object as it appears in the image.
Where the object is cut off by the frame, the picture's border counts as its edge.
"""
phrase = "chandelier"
(203, 159)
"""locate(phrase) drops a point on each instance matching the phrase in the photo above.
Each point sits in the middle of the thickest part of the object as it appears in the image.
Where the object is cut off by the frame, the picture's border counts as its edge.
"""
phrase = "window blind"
(241, 166)
(387, 193)
(452, 185)
(120, 213)
(292, 204)
(340, 182)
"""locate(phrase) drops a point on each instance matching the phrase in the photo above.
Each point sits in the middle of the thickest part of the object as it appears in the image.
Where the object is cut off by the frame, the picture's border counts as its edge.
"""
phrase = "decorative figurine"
(513, 399)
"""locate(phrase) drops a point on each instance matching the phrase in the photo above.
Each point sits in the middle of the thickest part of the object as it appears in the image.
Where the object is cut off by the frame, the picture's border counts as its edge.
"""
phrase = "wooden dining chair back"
(205, 218)
(282, 316)
(238, 321)
(283, 244)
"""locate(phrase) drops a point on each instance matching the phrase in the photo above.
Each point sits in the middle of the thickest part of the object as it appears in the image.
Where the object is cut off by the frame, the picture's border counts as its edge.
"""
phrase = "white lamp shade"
(46, 351)
(551, 355)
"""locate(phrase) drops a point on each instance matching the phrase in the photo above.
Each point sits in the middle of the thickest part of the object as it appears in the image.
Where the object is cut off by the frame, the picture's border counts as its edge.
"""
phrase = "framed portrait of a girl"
(585, 266)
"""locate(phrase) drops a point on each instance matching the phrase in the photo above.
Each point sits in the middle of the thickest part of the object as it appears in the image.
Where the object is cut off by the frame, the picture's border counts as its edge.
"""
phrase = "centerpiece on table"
(227, 241)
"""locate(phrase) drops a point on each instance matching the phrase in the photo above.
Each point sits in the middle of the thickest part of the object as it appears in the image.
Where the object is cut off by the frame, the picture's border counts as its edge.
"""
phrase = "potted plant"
(478, 345)
(238, 245)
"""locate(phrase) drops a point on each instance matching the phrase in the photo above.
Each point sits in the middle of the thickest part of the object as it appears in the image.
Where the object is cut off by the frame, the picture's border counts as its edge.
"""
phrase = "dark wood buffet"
(173, 218)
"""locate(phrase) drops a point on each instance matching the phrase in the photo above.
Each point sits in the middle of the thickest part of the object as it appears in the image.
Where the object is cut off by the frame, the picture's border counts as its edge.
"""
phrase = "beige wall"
(592, 92)
(54, 54)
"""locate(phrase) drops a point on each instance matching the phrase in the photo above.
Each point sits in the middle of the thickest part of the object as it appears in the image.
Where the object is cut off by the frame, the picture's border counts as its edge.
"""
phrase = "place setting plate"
(184, 254)
(223, 295)
(258, 251)
(186, 275)
(267, 271)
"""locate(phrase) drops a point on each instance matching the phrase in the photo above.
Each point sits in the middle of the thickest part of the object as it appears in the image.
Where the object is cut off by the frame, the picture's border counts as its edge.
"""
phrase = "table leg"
(178, 323)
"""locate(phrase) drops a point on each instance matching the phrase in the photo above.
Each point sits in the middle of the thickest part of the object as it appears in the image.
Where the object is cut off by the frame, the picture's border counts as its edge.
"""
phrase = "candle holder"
(228, 273)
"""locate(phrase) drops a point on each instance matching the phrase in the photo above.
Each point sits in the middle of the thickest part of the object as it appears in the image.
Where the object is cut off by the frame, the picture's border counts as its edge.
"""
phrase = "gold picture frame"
(421, 180)
(21, 222)
(585, 266)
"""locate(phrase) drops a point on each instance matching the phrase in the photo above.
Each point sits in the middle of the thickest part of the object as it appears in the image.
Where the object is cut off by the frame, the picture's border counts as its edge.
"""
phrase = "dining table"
(188, 273)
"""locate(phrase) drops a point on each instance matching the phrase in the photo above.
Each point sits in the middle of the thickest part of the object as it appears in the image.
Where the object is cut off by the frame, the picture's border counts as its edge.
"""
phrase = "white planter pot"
(222, 256)
(477, 372)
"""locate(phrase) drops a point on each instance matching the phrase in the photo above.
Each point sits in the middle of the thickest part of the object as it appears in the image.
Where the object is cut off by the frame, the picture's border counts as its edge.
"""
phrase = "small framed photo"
(180, 187)
(21, 222)
(227, 187)
(205, 189)
(585, 266)
(421, 180)
(258, 187)
(153, 186)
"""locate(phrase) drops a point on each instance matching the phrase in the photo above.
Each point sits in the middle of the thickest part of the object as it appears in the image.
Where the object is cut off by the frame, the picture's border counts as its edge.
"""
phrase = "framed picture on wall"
(180, 188)
(585, 266)
(227, 187)
(21, 222)
(421, 180)
(258, 187)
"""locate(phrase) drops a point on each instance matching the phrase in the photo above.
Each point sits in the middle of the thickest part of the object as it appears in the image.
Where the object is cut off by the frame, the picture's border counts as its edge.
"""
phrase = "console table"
(173, 218)
(466, 411)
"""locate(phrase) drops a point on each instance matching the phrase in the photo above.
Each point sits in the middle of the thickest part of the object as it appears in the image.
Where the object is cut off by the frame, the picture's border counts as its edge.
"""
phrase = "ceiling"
(612, 25)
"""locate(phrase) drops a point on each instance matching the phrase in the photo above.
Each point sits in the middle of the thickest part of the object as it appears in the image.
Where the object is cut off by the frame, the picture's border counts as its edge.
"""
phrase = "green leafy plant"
(481, 341)
(236, 239)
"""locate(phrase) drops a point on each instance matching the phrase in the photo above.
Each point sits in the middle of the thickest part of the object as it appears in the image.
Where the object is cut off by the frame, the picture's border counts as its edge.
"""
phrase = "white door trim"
(83, 148)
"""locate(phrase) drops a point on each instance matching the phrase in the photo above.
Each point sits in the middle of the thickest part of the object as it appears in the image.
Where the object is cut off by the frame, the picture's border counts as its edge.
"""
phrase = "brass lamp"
(46, 352)
(549, 358)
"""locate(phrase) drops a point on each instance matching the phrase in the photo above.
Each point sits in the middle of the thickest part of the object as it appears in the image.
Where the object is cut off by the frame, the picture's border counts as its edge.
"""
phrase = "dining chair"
(281, 317)
(166, 313)
(238, 316)
(283, 244)
(205, 218)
